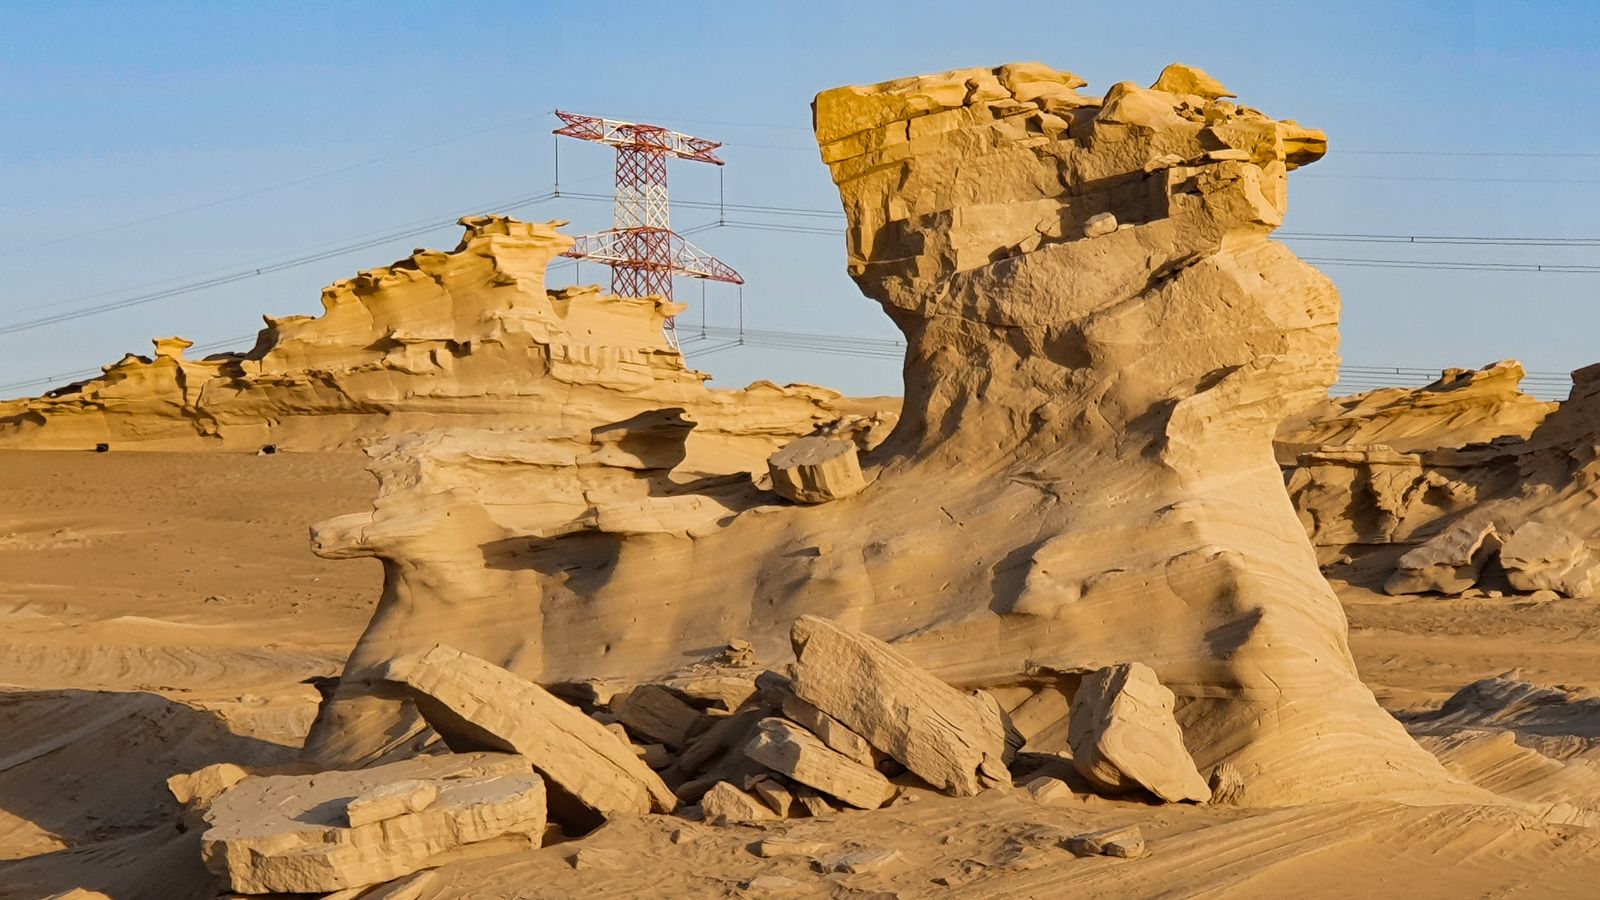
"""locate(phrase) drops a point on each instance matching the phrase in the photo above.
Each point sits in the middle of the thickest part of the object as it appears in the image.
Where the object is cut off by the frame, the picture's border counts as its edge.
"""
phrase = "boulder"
(655, 713)
(288, 833)
(1124, 736)
(815, 470)
(725, 804)
(785, 747)
(1449, 563)
(1540, 557)
(954, 741)
(476, 705)
(830, 730)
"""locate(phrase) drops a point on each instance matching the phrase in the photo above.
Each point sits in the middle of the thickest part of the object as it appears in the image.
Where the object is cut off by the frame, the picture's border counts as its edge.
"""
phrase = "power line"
(252, 272)
(256, 192)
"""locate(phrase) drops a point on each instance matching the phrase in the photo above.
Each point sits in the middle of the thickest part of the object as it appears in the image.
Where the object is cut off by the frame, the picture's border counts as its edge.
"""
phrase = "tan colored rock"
(1538, 556)
(861, 861)
(1226, 784)
(1178, 78)
(1125, 841)
(476, 705)
(1448, 563)
(787, 748)
(655, 713)
(202, 786)
(387, 801)
(1040, 369)
(816, 470)
(775, 848)
(1099, 224)
(1124, 736)
(287, 833)
(725, 804)
(832, 732)
(1049, 790)
(815, 805)
(775, 795)
(953, 741)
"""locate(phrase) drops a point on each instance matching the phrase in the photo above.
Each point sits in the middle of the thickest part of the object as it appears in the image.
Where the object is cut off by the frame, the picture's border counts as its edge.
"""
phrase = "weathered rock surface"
(725, 804)
(816, 470)
(785, 747)
(655, 713)
(287, 833)
(953, 741)
(1126, 841)
(1124, 736)
(389, 800)
(1538, 557)
(1448, 564)
(464, 338)
(475, 705)
(1082, 472)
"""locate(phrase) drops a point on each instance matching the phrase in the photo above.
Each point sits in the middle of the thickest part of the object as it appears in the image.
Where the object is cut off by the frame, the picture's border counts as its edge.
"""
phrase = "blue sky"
(114, 114)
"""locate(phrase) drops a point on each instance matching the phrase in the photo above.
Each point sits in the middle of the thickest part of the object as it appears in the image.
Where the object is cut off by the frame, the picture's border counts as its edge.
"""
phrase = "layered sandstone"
(468, 337)
(1101, 342)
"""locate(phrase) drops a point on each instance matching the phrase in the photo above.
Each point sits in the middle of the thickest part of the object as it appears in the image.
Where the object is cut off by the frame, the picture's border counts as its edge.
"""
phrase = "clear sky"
(118, 120)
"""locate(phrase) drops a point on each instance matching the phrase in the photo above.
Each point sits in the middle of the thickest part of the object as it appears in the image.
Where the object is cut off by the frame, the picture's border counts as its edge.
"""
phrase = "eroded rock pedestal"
(1083, 473)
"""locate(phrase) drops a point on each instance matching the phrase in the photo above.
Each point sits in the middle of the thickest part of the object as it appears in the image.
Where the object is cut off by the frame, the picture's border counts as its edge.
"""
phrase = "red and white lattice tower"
(641, 248)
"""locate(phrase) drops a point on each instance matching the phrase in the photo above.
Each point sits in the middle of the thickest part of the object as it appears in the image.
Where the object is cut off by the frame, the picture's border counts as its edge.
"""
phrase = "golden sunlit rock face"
(1102, 341)
(455, 339)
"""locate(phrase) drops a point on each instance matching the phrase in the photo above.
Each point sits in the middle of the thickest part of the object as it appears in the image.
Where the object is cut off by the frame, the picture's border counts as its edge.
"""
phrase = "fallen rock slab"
(954, 741)
(785, 747)
(1124, 736)
(476, 705)
(287, 833)
(816, 470)
(656, 714)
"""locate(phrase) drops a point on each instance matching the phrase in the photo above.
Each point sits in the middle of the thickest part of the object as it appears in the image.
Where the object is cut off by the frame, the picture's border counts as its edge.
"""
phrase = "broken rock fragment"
(954, 741)
(1124, 736)
(787, 748)
(390, 800)
(815, 470)
(653, 712)
(287, 833)
(725, 804)
(1541, 557)
(1126, 842)
(475, 704)
(1448, 563)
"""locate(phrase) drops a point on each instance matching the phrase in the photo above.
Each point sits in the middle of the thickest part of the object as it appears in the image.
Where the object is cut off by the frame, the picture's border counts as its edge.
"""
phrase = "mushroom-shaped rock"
(1124, 736)
(816, 470)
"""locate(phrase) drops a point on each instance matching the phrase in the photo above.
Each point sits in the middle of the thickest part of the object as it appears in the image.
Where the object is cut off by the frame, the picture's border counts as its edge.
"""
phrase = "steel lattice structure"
(641, 248)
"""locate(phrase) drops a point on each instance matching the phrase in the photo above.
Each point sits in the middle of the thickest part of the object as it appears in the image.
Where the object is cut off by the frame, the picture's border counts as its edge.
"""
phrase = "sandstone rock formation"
(1082, 474)
(1461, 458)
(1124, 737)
(477, 706)
(785, 747)
(292, 834)
(468, 337)
(1394, 465)
(816, 470)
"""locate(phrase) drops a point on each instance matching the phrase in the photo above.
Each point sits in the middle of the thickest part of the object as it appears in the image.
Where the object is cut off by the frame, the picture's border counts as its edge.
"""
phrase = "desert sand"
(1116, 601)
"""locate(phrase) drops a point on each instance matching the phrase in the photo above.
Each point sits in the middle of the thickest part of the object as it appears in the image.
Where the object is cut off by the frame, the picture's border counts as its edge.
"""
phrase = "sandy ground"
(161, 611)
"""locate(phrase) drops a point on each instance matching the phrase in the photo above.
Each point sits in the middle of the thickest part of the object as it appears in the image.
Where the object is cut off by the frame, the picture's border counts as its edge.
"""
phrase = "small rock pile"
(849, 719)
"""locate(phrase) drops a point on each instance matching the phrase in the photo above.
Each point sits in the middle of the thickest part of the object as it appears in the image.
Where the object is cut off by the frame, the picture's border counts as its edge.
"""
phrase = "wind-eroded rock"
(1123, 736)
(1082, 472)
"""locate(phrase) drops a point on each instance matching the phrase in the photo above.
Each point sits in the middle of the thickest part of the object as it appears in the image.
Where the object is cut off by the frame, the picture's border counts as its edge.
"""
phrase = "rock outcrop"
(1395, 465)
(469, 337)
(1082, 472)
